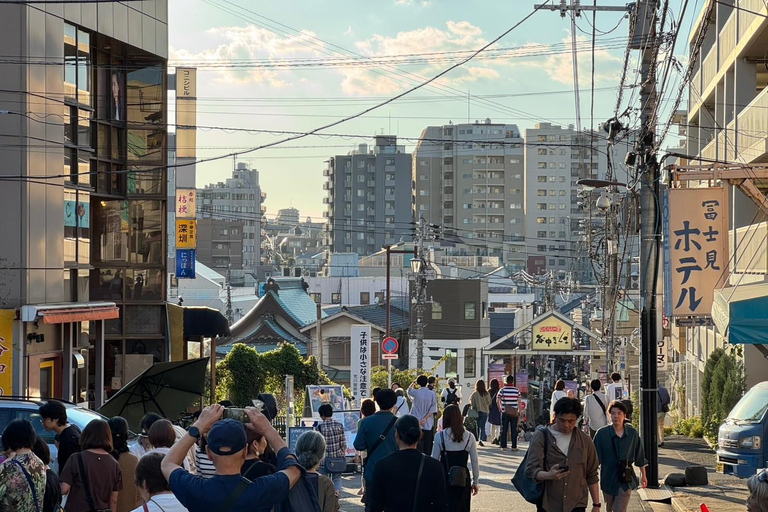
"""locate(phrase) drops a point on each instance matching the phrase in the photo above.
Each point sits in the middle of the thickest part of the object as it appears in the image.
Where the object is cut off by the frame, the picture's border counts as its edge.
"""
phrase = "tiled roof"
(376, 314)
(263, 341)
(295, 301)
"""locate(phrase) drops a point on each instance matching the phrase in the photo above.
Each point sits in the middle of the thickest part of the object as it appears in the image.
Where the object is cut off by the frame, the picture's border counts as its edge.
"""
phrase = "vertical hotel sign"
(698, 235)
(6, 351)
(360, 362)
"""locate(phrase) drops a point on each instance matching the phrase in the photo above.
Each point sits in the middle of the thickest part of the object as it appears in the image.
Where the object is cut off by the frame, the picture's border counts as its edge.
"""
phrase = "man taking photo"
(227, 448)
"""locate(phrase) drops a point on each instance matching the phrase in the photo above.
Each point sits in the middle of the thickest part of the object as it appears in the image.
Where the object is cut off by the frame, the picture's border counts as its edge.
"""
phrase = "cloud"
(458, 36)
(559, 66)
(245, 45)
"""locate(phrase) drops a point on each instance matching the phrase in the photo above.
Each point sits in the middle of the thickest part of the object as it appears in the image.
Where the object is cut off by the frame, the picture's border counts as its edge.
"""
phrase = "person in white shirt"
(615, 390)
(451, 394)
(161, 437)
(153, 487)
(401, 406)
(557, 394)
(596, 408)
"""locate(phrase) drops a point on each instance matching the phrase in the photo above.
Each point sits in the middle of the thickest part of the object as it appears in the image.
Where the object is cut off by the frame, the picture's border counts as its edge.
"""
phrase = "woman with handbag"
(480, 401)
(22, 473)
(335, 462)
(494, 413)
(454, 447)
(91, 478)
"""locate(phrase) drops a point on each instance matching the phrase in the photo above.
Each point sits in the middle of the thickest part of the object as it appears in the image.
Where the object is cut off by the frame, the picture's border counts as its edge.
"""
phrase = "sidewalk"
(725, 493)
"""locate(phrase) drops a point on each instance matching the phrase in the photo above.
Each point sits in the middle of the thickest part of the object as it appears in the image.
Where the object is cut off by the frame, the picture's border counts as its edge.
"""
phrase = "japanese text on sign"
(551, 333)
(186, 202)
(698, 235)
(6, 352)
(185, 263)
(360, 362)
(186, 234)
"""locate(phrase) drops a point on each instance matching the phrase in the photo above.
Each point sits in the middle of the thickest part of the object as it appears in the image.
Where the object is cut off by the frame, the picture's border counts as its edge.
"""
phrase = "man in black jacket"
(407, 479)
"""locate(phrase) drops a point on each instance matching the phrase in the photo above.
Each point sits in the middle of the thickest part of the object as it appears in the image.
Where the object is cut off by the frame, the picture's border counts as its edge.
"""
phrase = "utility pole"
(229, 312)
(421, 291)
(649, 237)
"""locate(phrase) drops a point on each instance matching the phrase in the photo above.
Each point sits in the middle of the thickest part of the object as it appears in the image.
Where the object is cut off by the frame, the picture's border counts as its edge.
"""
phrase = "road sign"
(390, 356)
(389, 345)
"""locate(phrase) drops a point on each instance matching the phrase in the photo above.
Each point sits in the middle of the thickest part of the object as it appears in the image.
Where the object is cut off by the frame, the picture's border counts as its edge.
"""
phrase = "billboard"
(551, 333)
(698, 252)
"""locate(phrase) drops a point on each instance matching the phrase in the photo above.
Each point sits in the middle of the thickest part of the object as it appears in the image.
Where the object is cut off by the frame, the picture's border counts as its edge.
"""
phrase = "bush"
(690, 427)
(723, 385)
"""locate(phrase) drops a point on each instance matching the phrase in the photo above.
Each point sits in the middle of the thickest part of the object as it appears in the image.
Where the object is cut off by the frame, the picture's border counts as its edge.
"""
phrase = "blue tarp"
(741, 313)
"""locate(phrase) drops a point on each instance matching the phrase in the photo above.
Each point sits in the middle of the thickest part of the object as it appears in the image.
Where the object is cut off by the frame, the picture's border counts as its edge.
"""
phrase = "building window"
(437, 311)
(378, 297)
(317, 297)
(541, 206)
(335, 298)
(365, 298)
(469, 363)
(541, 165)
(541, 220)
(452, 363)
(541, 179)
(541, 192)
(542, 151)
(469, 311)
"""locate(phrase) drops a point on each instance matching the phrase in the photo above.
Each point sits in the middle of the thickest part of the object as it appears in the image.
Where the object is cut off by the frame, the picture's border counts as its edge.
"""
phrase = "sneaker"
(513, 449)
(503, 449)
(480, 443)
(495, 441)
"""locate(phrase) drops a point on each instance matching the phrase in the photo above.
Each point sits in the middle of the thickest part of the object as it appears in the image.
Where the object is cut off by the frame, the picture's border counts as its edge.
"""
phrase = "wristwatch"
(194, 432)
(598, 505)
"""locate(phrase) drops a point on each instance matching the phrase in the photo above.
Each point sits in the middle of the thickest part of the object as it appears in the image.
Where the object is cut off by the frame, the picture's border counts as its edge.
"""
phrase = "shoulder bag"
(86, 485)
(30, 482)
(531, 490)
(380, 440)
(600, 403)
(234, 495)
(418, 482)
(624, 469)
(458, 476)
(510, 411)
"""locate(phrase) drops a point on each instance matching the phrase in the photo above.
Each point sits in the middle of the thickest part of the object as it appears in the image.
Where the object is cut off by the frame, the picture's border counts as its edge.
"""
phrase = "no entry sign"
(389, 345)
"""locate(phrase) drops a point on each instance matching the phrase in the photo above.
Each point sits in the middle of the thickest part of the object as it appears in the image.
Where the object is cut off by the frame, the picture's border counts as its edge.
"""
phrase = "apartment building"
(727, 122)
(368, 197)
(83, 255)
(239, 198)
(469, 179)
(220, 244)
(556, 158)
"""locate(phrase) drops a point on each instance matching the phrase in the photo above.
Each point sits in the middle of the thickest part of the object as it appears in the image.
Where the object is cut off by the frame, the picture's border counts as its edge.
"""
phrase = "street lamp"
(417, 264)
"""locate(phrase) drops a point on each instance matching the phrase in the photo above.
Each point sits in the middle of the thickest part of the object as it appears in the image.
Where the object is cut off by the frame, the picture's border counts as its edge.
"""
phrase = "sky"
(288, 66)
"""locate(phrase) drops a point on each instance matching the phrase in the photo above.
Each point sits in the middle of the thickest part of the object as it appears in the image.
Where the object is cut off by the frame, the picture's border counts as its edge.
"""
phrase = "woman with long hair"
(91, 478)
(453, 447)
(128, 498)
(480, 400)
(494, 414)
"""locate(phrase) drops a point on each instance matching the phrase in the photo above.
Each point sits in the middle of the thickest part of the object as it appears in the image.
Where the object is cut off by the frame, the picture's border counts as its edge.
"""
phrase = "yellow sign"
(186, 233)
(186, 202)
(698, 250)
(6, 351)
(551, 334)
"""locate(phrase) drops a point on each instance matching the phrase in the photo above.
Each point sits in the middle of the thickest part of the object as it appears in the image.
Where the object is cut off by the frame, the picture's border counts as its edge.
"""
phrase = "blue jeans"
(335, 478)
(508, 424)
(482, 417)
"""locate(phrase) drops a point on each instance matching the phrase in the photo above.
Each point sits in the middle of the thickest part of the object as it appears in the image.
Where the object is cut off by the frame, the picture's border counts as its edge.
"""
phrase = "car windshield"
(752, 406)
(81, 417)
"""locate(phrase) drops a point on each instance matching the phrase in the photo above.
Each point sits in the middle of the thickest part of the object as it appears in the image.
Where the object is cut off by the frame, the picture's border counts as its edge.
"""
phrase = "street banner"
(6, 351)
(360, 362)
(496, 371)
(698, 229)
(186, 203)
(521, 381)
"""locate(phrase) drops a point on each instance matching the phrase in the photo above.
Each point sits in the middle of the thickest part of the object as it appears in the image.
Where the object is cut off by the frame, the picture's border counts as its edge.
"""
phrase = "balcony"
(326, 200)
(695, 88)
(327, 172)
(710, 150)
(727, 39)
(371, 212)
(371, 183)
(709, 69)
(753, 125)
(327, 185)
(750, 261)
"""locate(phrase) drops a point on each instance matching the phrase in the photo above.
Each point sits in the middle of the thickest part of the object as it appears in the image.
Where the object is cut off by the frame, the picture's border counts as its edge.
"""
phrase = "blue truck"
(742, 447)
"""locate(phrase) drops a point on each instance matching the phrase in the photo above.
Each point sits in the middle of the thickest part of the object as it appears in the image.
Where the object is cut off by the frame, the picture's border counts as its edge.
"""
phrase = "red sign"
(389, 345)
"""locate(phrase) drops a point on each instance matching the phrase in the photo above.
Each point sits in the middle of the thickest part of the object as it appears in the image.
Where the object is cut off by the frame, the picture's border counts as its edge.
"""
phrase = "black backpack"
(451, 397)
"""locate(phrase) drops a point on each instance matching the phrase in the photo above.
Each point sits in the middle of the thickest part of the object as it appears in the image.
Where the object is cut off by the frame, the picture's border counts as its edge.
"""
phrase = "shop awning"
(741, 313)
(68, 312)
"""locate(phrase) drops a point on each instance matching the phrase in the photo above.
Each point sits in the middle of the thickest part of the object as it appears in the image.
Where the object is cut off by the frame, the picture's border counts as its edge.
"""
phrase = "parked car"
(12, 408)
(742, 448)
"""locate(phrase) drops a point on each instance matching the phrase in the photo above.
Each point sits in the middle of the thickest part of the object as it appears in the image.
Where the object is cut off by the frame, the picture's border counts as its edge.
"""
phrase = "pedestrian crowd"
(416, 447)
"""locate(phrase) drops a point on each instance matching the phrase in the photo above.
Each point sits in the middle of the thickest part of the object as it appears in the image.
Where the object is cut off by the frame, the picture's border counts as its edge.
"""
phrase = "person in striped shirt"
(509, 405)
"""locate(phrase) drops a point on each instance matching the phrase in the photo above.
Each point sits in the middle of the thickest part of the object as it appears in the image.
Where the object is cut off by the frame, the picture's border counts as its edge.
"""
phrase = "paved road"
(496, 491)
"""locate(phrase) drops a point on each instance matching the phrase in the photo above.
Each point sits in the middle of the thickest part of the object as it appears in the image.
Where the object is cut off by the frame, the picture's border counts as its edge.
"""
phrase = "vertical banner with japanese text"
(698, 237)
(6, 351)
(360, 362)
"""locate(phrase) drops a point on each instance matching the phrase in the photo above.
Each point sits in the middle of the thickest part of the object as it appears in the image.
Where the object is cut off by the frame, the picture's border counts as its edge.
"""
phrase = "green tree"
(724, 384)
(241, 375)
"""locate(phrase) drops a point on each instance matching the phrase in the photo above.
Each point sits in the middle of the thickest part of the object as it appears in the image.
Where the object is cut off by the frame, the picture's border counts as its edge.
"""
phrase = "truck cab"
(742, 448)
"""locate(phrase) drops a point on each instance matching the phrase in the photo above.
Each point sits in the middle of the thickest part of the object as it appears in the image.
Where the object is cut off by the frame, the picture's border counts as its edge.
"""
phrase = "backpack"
(451, 397)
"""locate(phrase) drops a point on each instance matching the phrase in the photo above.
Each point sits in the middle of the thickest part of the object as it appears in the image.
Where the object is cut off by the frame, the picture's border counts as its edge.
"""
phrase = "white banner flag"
(360, 362)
